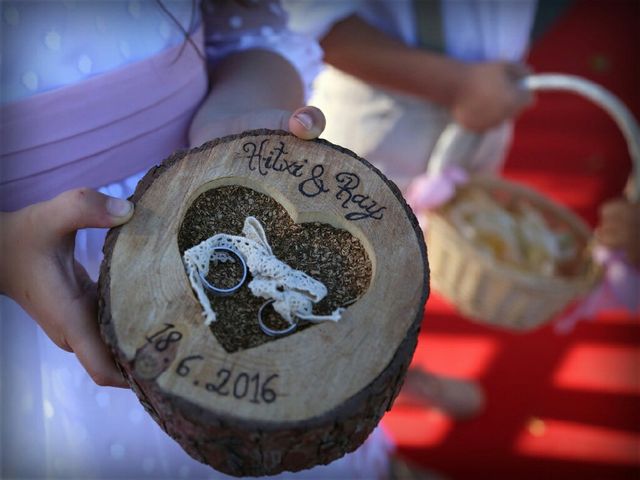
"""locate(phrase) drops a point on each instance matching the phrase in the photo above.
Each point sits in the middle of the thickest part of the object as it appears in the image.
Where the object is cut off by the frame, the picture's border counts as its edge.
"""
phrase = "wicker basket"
(496, 293)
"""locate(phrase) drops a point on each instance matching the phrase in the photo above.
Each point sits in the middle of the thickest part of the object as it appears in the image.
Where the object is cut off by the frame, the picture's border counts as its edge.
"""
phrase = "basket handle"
(456, 142)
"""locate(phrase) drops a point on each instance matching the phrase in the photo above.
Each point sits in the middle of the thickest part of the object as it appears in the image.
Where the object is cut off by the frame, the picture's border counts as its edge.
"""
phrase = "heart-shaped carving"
(330, 255)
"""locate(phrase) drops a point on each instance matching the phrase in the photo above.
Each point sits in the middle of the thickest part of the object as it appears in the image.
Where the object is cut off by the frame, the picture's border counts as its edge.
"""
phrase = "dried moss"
(332, 256)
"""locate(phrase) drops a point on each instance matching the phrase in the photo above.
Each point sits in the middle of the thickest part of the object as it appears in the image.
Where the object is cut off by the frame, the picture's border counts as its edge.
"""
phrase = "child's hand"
(251, 90)
(39, 272)
(489, 94)
(619, 228)
(306, 123)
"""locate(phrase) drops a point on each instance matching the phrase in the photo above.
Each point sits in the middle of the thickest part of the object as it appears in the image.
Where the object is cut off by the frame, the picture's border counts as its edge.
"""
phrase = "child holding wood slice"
(93, 95)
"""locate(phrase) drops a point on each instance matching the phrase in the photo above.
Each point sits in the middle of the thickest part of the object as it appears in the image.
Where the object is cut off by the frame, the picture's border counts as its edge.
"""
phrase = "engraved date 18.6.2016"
(254, 387)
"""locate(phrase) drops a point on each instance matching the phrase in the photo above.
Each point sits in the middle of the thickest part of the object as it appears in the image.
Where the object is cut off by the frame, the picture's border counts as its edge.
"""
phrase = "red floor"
(558, 406)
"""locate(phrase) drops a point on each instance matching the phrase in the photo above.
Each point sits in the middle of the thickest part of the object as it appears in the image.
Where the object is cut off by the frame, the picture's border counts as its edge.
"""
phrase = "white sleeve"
(316, 17)
(482, 31)
(234, 27)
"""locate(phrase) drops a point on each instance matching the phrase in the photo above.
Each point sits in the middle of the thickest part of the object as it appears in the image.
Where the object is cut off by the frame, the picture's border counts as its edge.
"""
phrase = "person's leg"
(460, 399)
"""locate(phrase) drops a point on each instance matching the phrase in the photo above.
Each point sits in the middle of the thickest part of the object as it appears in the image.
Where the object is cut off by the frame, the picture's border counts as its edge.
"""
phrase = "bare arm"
(479, 95)
(255, 89)
(363, 51)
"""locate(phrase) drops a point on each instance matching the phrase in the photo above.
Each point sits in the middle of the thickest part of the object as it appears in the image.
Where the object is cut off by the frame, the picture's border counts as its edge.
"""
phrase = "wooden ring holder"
(294, 402)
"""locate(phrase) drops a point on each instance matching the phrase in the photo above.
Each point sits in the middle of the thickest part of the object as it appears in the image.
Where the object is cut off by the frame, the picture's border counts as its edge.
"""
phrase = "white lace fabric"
(294, 292)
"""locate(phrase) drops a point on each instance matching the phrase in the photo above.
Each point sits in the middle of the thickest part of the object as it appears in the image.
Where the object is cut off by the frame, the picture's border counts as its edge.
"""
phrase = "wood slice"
(234, 398)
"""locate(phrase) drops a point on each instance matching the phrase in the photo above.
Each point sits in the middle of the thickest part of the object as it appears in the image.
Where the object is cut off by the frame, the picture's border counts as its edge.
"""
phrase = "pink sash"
(101, 130)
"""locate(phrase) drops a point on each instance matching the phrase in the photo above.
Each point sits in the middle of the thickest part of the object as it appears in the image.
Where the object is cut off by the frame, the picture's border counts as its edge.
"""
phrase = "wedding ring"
(270, 331)
(223, 292)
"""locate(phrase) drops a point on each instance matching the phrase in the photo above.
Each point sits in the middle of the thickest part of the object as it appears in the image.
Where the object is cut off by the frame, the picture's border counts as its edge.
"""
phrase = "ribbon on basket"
(432, 189)
(445, 171)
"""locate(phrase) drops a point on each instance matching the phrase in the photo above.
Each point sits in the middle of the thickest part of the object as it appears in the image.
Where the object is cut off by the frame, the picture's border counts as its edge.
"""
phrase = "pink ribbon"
(430, 190)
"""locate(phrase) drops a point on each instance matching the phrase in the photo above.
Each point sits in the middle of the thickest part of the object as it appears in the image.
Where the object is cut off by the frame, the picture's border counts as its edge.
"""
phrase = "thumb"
(82, 208)
(307, 123)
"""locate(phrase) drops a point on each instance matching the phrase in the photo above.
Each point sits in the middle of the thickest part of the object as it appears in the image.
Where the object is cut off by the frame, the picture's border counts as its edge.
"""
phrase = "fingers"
(83, 337)
(523, 97)
(81, 208)
(490, 94)
(619, 227)
(517, 70)
(307, 123)
(97, 360)
(615, 224)
(68, 315)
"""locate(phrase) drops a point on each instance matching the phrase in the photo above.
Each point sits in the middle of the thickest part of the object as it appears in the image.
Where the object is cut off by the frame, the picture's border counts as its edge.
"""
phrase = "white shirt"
(397, 132)
(474, 30)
